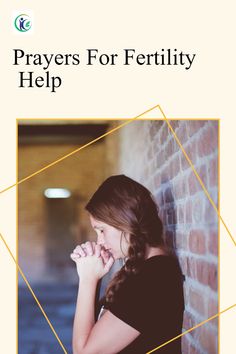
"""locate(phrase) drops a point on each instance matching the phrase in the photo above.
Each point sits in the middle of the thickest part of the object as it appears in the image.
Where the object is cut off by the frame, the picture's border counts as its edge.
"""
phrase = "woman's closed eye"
(99, 230)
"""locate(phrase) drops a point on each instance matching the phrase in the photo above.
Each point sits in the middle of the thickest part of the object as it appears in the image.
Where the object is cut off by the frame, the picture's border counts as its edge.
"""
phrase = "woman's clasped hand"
(92, 260)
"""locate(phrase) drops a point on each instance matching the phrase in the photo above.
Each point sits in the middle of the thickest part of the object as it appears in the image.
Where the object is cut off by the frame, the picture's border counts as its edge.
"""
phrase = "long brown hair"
(128, 206)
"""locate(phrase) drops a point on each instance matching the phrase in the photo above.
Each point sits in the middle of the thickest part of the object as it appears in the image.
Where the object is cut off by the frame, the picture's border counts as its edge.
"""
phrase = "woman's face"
(110, 238)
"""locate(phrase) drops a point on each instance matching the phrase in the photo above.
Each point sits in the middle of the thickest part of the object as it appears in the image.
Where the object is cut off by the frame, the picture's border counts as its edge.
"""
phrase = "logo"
(23, 23)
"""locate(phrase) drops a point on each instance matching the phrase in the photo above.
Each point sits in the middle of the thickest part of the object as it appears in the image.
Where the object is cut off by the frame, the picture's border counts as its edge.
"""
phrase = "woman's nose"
(100, 240)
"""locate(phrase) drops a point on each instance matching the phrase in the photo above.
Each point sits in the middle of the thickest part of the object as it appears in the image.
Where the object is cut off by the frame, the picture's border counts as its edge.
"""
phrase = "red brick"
(164, 134)
(176, 146)
(203, 174)
(203, 272)
(153, 128)
(185, 344)
(194, 126)
(197, 241)
(208, 142)
(184, 162)
(208, 339)
(181, 240)
(192, 267)
(213, 173)
(157, 180)
(213, 242)
(186, 290)
(197, 301)
(193, 350)
(198, 208)
(152, 167)
(212, 307)
(180, 214)
(213, 276)
(207, 274)
(181, 132)
(174, 166)
(189, 320)
(210, 214)
(193, 184)
(175, 124)
(169, 148)
(191, 151)
(188, 211)
(180, 188)
(159, 198)
(160, 159)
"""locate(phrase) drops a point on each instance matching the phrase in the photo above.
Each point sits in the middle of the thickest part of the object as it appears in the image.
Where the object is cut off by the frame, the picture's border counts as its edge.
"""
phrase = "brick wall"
(147, 152)
(150, 154)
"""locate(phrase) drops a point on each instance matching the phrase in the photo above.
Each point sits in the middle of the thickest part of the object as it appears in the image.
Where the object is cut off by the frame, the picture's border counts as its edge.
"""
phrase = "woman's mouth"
(109, 250)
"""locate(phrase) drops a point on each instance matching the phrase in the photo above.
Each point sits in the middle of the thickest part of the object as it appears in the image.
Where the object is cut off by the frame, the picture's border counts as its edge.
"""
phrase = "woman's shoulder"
(160, 266)
(161, 260)
(157, 269)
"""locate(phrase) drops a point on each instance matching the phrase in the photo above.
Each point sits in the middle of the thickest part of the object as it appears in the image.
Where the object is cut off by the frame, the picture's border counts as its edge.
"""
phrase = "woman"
(143, 305)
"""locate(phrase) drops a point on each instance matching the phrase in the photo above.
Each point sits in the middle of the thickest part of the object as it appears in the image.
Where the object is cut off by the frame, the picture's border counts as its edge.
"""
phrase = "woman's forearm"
(84, 314)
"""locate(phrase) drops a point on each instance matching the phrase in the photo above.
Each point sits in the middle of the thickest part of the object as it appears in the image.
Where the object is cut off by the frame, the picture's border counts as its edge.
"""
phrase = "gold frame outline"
(217, 210)
(214, 119)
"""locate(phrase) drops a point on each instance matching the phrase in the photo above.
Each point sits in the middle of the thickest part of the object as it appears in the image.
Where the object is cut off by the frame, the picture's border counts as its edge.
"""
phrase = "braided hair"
(128, 206)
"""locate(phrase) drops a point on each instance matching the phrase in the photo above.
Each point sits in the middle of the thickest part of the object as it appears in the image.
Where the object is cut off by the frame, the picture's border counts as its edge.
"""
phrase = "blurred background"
(52, 219)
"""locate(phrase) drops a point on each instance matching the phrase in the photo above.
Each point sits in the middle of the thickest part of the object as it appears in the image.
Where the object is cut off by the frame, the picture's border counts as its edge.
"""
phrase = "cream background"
(207, 90)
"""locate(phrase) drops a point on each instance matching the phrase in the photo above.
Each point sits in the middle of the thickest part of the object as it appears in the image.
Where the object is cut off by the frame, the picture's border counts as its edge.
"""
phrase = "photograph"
(118, 235)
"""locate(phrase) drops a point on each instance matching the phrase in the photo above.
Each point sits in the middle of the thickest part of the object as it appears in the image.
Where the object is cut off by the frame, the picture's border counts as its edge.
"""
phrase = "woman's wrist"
(88, 280)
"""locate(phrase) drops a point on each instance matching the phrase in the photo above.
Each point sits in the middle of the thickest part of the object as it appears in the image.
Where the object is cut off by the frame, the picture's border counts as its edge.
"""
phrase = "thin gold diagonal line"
(51, 326)
(157, 106)
(191, 329)
(16, 184)
(33, 294)
(76, 150)
(197, 175)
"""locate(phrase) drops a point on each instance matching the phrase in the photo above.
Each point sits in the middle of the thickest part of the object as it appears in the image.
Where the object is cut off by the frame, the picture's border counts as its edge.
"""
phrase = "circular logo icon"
(23, 23)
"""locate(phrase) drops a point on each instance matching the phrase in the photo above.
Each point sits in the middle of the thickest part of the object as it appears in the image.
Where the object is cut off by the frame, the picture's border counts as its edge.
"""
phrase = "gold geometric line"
(37, 172)
(189, 161)
(34, 296)
(76, 150)
(198, 177)
(191, 329)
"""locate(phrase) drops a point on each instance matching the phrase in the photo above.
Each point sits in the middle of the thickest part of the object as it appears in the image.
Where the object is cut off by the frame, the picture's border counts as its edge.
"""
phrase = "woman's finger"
(97, 251)
(74, 256)
(109, 264)
(80, 250)
(105, 255)
(93, 245)
(89, 248)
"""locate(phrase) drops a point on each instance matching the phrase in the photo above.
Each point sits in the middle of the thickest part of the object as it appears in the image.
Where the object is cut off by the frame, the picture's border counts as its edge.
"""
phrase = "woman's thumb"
(109, 264)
